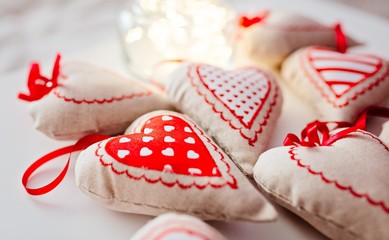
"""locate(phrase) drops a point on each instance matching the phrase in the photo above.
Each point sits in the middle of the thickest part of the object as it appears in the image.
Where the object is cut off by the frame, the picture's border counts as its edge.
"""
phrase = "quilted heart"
(89, 96)
(177, 227)
(340, 189)
(163, 163)
(337, 85)
(343, 71)
(156, 151)
(237, 108)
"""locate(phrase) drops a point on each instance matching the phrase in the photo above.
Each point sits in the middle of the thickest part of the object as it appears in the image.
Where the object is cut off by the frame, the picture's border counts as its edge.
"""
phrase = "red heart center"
(343, 71)
(166, 143)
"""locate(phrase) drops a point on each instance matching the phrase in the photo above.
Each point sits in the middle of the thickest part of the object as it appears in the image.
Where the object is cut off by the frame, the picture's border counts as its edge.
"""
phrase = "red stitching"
(100, 101)
(327, 97)
(251, 141)
(232, 184)
(350, 189)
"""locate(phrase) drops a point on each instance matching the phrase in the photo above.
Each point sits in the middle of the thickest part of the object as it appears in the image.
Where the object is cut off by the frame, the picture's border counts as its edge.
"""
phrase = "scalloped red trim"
(350, 189)
(348, 100)
(101, 101)
(233, 185)
(251, 141)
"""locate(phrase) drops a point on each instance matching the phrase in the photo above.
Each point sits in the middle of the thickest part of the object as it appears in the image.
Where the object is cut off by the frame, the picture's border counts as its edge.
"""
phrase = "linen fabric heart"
(340, 189)
(338, 86)
(89, 99)
(275, 35)
(177, 227)
(165, 163)
(237, 108)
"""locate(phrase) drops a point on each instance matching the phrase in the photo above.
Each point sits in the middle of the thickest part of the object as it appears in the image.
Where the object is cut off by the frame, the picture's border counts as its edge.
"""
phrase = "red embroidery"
(176, 225)
(167, 149)
(342, 187)
(243, 93)
(182, 231)
(342, 72)
(102, 100)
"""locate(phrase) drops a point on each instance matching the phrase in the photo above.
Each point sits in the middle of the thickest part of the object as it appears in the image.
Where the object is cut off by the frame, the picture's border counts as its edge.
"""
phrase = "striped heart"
(343, 71)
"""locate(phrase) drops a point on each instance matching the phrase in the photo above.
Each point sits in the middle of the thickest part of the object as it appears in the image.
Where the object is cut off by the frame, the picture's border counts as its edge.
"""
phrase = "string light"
(158, 30)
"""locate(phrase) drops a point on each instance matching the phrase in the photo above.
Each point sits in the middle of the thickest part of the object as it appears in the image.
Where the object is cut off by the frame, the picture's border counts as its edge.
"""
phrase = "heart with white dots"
(166, 143)
(164, 162)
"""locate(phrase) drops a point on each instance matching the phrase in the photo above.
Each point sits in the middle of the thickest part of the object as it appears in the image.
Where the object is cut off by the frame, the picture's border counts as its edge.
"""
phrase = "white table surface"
(66, 213)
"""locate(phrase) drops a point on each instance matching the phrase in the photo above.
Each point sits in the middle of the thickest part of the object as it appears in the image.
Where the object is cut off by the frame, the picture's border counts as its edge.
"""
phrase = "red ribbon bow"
(318, 134)
(245, 21)
(39, 85)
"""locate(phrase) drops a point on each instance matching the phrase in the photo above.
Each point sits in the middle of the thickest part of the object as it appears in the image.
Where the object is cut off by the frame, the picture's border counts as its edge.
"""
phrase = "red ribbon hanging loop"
(79, 145)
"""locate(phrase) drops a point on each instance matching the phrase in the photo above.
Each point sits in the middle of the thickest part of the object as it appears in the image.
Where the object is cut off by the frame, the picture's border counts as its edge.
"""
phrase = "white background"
(66, 213)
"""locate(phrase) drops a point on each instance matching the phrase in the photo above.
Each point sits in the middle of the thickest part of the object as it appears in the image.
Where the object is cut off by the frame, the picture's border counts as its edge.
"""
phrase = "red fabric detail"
(246, 21)
(257, 106)
(350, 85)
(199, 164)
(336, 183)
(162, 148)
(165, 234)
(79, 145)
(318, 134)
(39, 85)
(102, 100)
(340, 38)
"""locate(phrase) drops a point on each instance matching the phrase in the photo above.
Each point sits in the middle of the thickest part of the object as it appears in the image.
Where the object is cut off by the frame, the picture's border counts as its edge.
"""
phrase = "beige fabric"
(281, 33)
(181, 184)
(239, 109)
(177, 227)
(302, 72)
(342, 190)
(89, 100)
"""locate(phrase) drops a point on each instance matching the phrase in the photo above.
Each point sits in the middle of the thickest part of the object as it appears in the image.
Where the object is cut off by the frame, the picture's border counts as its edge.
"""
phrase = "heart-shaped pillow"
(238, 108)
(177, 227)
(273, 35)
(81, 99)
(337, 85)
(340, 188)
(166, 163)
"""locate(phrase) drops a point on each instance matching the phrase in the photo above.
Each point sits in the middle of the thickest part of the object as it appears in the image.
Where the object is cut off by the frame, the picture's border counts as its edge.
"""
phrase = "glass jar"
(152, 31)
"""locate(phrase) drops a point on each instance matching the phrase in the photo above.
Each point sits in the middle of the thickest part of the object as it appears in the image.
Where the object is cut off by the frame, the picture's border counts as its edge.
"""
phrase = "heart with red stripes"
(171, 145)
(341, 72)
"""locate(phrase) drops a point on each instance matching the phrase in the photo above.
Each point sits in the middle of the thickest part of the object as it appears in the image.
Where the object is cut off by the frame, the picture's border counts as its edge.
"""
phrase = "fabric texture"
(178, 227)
(340, 189)
(89, 100)
(338, 86)
(165, 163)
(279, 34)
(239, 108)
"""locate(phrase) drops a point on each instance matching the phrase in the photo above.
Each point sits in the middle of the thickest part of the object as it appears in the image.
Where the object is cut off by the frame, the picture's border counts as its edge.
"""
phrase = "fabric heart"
(271, 36)
(238, 108)
(338, 86)
(87, 99)
(177, 227)
(340, 189)
(174, 176)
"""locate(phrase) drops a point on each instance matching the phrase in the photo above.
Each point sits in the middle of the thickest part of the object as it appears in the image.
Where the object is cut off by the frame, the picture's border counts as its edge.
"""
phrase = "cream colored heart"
(168, 128)
(192, 154)
(124, 140)
(168, 152)
(189, 140)
(123, 153)
(147, 130)
(147, 139)
(169, 139)
(145, 151)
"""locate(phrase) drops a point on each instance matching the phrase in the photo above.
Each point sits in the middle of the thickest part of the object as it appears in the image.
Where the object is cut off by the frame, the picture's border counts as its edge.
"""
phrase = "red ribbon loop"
(78, 146)
(340, 38)
(39, 85)
(246, 22)
(318, 134)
